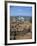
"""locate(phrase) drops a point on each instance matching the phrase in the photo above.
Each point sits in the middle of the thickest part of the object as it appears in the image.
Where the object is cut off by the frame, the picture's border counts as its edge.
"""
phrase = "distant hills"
(21, 18)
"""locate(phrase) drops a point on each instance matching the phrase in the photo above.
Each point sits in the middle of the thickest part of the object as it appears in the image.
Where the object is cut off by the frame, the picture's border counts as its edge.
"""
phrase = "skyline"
(20, 11)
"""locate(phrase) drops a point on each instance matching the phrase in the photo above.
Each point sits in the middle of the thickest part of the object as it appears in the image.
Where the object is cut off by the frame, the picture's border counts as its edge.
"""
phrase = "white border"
(8, 23)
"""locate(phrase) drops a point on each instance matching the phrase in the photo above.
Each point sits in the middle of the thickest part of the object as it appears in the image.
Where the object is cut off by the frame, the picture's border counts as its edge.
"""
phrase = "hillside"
(20, 27)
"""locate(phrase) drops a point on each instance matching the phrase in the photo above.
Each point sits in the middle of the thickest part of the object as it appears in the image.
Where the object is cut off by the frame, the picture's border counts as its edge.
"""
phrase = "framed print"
(20, 22)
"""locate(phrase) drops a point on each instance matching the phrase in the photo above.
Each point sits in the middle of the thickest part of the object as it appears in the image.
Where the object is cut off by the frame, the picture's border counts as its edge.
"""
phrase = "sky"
(20, 11)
